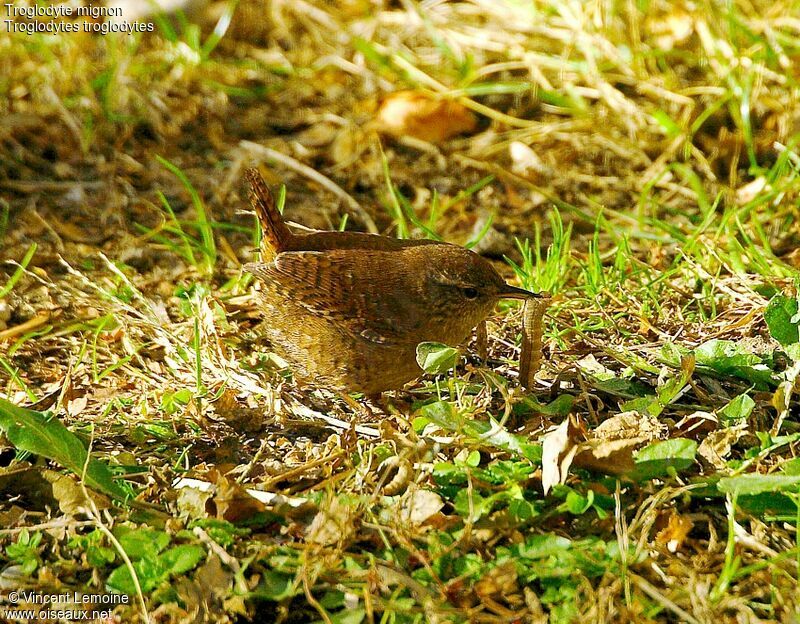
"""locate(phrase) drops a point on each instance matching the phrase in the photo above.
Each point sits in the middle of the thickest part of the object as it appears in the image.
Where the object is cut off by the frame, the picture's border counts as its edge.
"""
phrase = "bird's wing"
(343, 286)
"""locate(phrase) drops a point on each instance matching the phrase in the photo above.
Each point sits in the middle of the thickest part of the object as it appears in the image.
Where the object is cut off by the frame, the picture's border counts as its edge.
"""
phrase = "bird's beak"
(512, 292)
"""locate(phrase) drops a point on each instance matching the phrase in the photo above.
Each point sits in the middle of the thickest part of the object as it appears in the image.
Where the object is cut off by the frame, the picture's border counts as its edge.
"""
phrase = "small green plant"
(400, 208)
(550, 273)
(172, 402)
(192, 299)
(153, 562)
(198, 248)
(40, 433)
(25, 551)
(91, 545)
(14, 376)
(435, 358)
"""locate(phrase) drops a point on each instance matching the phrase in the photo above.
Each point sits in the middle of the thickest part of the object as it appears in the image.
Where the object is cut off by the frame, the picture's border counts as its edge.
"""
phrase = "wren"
(347, 310)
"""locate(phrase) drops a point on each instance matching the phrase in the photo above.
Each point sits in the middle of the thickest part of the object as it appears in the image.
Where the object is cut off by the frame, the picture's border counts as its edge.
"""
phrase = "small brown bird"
(347, 310)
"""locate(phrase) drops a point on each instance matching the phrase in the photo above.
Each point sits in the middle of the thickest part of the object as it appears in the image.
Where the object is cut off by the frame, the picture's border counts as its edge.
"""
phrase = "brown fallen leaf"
(26, 481)
(614, 457)
(715, 447)
(629, 425)
(611, 445)
(233, 502)
(76, 406)
(417, 505)
(675, 533)
(70, 495)
(332, 525)
(697, 425)
(422, 116)
(195, 494)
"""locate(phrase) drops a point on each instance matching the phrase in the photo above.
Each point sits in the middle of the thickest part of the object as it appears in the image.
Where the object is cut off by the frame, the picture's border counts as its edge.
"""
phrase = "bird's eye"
(471, 293)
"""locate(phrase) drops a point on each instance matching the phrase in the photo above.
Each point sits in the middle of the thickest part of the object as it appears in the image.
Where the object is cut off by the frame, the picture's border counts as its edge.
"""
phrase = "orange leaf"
(418, 115)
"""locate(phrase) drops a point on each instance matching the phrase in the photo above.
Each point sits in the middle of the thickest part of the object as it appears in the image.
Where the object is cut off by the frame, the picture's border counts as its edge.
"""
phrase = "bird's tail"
(275, 235)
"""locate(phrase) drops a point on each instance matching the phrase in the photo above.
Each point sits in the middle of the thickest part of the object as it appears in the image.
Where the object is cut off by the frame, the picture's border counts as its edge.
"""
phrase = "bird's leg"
(366, 408)
(377, 406)
(377, 400)
(395, 407)
(390, 404)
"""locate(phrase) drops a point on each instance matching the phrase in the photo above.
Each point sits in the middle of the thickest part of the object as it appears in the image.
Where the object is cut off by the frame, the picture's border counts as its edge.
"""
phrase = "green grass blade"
(15, 277)
(203, 222)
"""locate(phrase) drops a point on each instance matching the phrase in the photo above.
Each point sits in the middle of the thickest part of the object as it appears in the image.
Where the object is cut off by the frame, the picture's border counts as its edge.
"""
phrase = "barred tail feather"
(275, 235)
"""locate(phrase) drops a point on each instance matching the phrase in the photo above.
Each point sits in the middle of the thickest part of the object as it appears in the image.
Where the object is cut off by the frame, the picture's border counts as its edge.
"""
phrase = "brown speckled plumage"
(347, 310)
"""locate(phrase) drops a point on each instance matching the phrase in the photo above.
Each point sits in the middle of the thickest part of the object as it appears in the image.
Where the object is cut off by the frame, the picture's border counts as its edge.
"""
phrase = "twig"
(30, 324)
(37, 186)
(665, 602)
(301, 410)
(55, 524)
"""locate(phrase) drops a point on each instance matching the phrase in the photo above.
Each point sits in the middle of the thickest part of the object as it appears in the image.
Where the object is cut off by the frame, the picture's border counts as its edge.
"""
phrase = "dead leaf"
(417, 505)
(192, 501)
(590, 365)
(613, 457)
(716, 446)
(558, 450)
(233, 503)
(697, 424)
(611, 445)
(113, 335)
(195, 494)
(419, 115)
(629, 425)
(77, 405)
(675, 532)
(238, 416)
(70, 495)
(10, 518)
(332, 525)
(29, 482)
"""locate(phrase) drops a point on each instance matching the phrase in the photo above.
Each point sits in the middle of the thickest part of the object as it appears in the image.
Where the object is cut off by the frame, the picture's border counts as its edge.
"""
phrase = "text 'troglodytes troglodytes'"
(347, 310)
